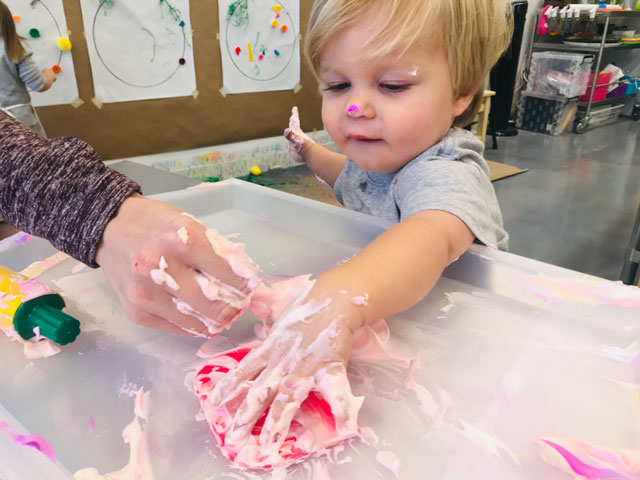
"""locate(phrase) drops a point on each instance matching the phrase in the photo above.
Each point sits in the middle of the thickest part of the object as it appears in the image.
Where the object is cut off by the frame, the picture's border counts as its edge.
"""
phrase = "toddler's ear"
(461, 104)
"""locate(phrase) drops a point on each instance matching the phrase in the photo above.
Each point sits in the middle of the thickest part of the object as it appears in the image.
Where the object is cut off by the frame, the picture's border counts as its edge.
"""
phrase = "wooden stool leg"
(483, 119)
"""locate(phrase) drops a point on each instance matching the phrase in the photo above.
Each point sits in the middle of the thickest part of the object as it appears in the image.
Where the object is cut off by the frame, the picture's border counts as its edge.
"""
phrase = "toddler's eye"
(337, 87)
(393, 87)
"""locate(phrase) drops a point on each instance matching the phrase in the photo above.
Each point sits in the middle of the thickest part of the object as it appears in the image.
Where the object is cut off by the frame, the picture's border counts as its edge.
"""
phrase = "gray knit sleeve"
(58, 189)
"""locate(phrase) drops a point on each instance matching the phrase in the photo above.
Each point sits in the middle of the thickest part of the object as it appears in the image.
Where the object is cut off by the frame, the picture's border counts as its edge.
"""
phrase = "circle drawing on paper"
(39, 17)
(144, 49)
(260, 40)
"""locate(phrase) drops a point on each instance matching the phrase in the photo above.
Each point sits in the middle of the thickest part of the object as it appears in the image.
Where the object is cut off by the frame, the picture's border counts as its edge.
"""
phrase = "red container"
(601, 87)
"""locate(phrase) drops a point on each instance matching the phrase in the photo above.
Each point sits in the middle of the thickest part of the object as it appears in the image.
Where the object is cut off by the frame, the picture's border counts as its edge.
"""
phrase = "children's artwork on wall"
(259, 43)
(43, 25)
(139, 49)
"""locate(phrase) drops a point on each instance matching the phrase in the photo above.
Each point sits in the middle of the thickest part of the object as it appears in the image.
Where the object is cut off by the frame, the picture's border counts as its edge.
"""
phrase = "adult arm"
(60, 190)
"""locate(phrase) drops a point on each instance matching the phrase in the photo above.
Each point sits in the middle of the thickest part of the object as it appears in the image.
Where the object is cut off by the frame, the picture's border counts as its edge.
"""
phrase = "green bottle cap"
(46, 312)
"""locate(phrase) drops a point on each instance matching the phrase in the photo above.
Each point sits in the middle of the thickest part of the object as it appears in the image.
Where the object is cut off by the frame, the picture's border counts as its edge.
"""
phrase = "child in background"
(398, 78)
(17, 72)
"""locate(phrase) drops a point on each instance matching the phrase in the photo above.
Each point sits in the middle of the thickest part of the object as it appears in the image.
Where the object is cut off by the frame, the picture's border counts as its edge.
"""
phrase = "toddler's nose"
(354, 110)
(359, 109)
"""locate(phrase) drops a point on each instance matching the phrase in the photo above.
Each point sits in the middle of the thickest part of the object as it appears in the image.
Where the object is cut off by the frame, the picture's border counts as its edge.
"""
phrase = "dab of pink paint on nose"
(354, 109)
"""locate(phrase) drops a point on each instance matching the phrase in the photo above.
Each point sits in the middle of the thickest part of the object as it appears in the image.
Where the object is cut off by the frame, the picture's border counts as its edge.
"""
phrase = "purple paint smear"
(34, 441)
(23, 239)
(353, 109)
(581, 468)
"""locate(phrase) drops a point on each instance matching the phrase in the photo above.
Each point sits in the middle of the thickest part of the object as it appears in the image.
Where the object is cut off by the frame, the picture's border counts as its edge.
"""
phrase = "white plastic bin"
(559, 73)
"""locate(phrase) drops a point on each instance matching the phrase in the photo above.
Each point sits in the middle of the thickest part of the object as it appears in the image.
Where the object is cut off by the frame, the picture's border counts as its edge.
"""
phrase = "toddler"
(17, 72)
(398, 79)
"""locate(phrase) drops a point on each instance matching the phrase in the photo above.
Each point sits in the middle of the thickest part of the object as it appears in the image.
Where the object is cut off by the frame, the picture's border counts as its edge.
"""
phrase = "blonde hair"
(12, 44)
(473, 33)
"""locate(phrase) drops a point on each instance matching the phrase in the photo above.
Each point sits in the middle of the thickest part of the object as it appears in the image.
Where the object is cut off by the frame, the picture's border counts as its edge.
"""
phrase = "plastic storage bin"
(602, 85)
(552, 114)
(559, 73)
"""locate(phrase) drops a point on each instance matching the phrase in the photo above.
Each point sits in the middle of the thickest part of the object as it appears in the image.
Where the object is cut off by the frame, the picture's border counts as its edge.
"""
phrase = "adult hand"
(154, 257)
(307, 349)
(297, 138)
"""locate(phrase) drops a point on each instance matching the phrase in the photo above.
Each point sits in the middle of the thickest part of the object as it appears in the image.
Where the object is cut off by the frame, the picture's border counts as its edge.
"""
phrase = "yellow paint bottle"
(26, 304)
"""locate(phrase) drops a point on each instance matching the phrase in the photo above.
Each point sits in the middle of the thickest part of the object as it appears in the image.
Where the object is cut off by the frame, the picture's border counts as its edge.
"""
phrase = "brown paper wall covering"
(128, 129)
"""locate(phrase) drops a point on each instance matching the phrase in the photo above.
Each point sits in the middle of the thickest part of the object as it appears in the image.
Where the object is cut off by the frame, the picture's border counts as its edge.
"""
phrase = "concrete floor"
(576, 206)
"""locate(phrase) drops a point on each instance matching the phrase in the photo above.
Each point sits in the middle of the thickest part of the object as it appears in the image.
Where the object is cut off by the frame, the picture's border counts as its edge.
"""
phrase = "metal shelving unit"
(582, 120)
(578, 48)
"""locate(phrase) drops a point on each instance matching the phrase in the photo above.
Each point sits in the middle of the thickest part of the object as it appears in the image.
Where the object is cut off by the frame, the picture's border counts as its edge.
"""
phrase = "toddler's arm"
(309, 346)
(322, 161)
(401, 265)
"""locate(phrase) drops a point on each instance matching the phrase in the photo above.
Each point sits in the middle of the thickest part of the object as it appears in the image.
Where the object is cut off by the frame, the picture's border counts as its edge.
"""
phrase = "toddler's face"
(383, 112)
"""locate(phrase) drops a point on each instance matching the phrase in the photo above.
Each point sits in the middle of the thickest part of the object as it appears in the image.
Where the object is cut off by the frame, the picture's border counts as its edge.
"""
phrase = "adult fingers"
(197, 251)
(211, 302)
(157, 302)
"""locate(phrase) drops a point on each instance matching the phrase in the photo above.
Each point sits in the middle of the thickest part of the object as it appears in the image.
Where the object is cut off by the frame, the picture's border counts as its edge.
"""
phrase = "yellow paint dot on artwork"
(256, 171)
(274, 23)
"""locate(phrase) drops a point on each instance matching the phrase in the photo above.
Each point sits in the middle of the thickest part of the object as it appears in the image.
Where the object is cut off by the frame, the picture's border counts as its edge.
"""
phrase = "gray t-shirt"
(451, 176)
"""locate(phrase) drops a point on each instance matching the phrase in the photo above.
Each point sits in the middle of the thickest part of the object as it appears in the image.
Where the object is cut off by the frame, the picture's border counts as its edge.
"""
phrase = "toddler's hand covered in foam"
(162, 265)
(307, 349)
(297, 138)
